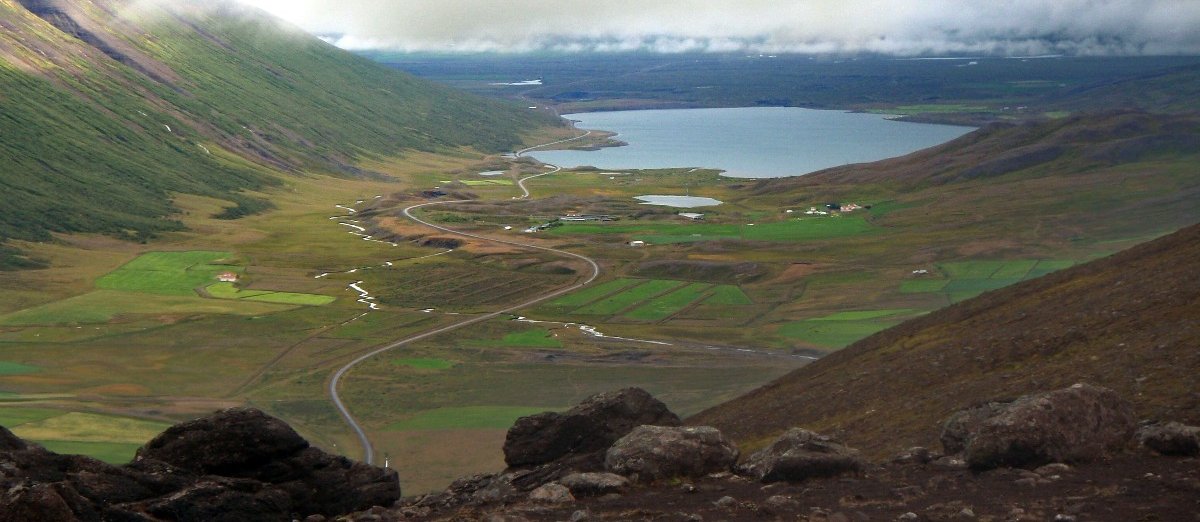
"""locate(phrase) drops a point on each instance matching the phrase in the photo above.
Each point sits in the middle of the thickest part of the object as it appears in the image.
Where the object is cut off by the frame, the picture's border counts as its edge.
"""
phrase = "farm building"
(227, 277)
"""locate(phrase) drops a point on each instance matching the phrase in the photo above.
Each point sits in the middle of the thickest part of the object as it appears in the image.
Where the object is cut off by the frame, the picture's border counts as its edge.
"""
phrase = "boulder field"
(1070, 454)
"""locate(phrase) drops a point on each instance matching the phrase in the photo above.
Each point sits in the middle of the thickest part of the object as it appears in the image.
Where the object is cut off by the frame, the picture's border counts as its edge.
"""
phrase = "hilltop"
(1127, 322)
(120, 105)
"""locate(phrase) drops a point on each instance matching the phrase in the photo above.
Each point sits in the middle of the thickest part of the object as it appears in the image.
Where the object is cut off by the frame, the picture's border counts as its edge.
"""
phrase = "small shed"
(227, 277)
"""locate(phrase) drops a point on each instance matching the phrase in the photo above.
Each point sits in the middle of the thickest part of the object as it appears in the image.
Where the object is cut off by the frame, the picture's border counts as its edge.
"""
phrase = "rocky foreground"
(1071, 454)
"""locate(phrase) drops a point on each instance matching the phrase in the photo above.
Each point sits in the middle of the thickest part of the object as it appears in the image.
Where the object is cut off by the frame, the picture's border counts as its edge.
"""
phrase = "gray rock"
(552, 494)
(800, 454)
(594, 484)
(588, 428)
(1171, 438)
(651, 453)
(1076, 424)
(958, 427)
(915, 455)
(726, 502)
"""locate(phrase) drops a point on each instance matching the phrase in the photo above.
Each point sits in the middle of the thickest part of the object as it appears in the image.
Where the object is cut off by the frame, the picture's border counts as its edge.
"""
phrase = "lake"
(749, 142)
(678, 201)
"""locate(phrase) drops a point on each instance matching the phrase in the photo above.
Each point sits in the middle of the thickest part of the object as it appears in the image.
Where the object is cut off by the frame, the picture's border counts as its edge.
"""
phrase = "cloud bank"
(896, 27)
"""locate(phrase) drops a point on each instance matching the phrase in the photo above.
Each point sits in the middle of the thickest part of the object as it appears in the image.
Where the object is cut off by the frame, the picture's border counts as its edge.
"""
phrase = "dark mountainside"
(1129, 322)
(108, 108)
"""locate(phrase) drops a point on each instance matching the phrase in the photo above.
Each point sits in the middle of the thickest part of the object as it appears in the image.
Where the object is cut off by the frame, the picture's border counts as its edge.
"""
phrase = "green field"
(592, 293)
(102, 306)
(843, 328)
(535, 338)
(106, 437)
(227, 290)
(466, 417)
(425, 364)
(616, 303)
(12, 368)
(728, 295)
(667, 305)
(793, 230)
(967, 279)
(167, 273)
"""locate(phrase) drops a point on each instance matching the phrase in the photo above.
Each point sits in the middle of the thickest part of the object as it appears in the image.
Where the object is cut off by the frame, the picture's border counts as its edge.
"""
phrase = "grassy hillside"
(109, 108)
(1128, 322)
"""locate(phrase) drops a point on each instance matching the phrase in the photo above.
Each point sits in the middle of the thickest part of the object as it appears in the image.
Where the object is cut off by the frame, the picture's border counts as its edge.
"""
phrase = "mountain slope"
(109, 107)
(1130, 322)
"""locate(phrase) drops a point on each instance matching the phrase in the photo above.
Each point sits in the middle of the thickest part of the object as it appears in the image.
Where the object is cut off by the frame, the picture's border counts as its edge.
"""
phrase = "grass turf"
(842, 328)
(616, 303)
(465, 417)
(728, 295)
(167, 273)
(794, 230)
(592, 293)
(667, 305)
(227, 290)
(12, 368)
(425, 364)
(102, 306)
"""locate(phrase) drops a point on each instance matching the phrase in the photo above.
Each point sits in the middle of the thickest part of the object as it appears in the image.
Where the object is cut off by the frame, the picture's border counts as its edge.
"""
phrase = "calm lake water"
(752, 142)
(679, 201)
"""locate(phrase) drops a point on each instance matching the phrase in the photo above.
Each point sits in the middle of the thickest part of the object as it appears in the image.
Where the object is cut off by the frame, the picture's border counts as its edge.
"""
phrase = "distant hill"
(1130, 322)
(109, 107)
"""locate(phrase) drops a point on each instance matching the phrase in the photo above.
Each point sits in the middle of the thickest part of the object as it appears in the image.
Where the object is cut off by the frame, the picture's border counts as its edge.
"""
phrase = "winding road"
(335, 396)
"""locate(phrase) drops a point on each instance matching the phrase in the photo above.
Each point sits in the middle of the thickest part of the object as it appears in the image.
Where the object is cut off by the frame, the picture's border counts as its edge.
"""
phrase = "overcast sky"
(902, 27)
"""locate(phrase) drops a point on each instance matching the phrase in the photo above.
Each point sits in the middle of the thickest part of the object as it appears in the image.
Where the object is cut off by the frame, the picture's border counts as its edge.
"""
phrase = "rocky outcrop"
(587, 429)
(237, 464)
(1076, 424)
(1171, 438)
(799, 455)
(594, 484)
(652, 453)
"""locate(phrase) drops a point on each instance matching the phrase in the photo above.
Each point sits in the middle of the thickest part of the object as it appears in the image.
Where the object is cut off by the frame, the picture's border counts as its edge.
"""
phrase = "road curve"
(368, 449)
(521, 182)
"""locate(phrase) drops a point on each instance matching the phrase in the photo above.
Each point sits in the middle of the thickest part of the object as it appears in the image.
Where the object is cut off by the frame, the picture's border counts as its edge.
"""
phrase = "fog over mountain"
(898, 27)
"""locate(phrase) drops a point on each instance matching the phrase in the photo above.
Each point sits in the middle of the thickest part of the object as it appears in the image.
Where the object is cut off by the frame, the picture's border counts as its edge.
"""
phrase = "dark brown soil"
(1131, 487)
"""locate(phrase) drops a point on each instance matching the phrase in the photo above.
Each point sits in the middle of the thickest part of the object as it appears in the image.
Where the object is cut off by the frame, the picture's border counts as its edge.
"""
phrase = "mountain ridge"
(135, 101)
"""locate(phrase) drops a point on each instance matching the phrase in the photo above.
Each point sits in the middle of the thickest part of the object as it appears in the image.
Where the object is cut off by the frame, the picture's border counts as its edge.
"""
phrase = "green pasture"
(465, 418)
(536, 338)
(616, 303)
(667, 305)
(843, 328)
(227, 290)
(592, 293)
(167, 273)
(728, 295)
(425, 363)
(12, 368)
(793, 230)
(102, 306)
(106, 437)
(966, 279)
(111, 452)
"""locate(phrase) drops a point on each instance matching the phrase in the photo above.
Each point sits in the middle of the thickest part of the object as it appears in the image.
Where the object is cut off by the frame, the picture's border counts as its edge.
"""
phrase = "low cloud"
(897, 27)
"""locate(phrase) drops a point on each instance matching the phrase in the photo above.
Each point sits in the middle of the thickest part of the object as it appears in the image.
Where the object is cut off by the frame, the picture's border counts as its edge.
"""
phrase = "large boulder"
(237, 464)
(652, 453)
(1076, 424)
(587, 429)
(800, 454)
(1171, 438)
(247, 443)
(237, 442)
